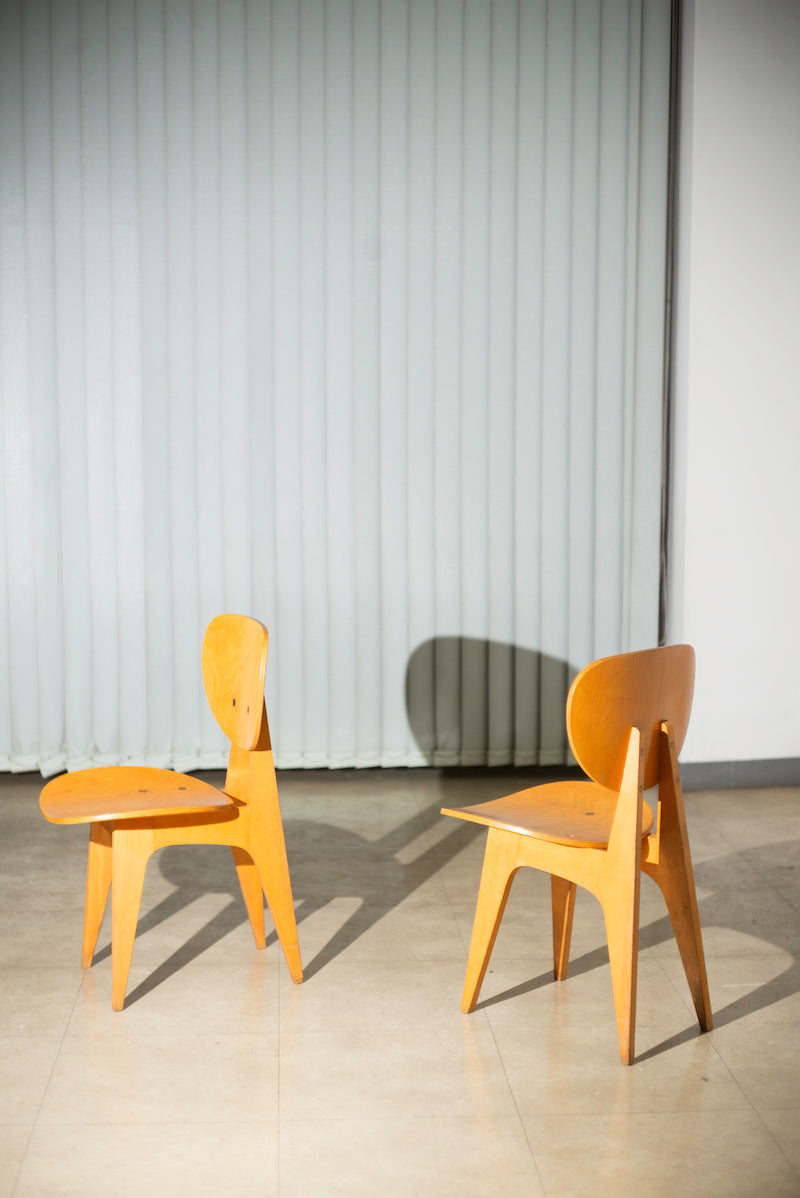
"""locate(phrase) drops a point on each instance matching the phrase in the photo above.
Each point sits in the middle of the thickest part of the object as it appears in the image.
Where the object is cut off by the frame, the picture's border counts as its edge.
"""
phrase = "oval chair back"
(632, 690)
(234, 661)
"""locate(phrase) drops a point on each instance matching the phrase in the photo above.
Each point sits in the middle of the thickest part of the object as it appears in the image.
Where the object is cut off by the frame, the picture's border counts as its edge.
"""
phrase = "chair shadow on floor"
(450, 684)
(326, 862)
(715, 892)
(329, 863)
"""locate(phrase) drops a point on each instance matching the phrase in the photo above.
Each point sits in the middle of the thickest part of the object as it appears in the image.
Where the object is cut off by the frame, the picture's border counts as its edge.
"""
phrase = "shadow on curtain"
(473, 702)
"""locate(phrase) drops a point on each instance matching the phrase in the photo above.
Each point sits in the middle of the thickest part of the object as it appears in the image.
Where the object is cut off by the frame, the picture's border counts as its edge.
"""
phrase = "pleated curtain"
(346, 315)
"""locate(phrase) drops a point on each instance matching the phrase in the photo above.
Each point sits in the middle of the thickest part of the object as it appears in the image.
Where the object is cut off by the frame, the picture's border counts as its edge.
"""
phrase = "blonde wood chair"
(133, 811)
(627, 718)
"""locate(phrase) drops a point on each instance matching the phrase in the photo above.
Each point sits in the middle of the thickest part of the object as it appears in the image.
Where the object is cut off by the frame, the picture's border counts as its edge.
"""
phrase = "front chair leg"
(266, 845)
(622, 929)
(278, 893)
(268, 851)
(619, 895)
(98, 884)
(131, 849)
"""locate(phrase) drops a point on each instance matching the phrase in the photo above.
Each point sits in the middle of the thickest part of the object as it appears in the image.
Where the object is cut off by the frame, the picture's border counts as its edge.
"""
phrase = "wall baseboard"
(744, 775)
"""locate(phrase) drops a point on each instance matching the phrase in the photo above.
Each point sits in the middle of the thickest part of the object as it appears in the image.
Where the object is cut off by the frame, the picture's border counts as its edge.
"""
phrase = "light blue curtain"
(346, 315)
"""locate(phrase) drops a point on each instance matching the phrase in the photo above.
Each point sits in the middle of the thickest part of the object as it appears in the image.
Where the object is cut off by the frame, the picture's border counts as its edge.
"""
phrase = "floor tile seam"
(114, 1037)
(395, 958)
(675, 990)
(432, 1027)
(435, 1029)
(31, 1127)
(771, 1134)
(516, 1106)
(749, 955)
(710, 1039)
(392, 958)
(233, 1121)
(454, 915)
(33, 966)
(671, 1029)
(630, 1113)
(696, 1113)
(765, 879)
(56, 1058)
(429, 1117)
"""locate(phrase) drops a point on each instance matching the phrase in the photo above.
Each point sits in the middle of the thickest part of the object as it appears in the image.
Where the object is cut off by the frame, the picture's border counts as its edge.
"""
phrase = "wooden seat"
(133, 811)
(627, 718)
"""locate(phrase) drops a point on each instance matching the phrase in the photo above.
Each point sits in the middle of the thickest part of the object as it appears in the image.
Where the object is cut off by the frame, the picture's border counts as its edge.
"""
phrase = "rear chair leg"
(499, 868)
(252, 892)
(675, 879)
(563, 895)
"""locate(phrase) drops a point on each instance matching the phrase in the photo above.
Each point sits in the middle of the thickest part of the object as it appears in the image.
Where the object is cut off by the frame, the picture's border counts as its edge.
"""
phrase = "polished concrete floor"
(222, 1078)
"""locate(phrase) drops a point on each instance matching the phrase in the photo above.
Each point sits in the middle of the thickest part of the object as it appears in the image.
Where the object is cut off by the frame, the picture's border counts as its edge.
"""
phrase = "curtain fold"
(349, 316)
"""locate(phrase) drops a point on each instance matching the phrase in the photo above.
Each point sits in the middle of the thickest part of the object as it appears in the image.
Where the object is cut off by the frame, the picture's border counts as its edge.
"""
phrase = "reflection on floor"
(220, 1077)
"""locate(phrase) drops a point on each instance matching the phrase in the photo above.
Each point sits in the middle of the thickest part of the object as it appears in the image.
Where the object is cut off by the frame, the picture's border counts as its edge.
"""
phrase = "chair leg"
(563, 895)
(98, 884)
(252, 892)
(269, 854)
(675, 879)
(499, 867)
(622, 930)
(266, 845)
(281, 906)
(619, 895)
(131, 849)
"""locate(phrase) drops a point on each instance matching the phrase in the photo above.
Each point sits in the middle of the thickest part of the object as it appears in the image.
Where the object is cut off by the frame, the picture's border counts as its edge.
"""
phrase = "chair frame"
(245, 815)
(611, 872)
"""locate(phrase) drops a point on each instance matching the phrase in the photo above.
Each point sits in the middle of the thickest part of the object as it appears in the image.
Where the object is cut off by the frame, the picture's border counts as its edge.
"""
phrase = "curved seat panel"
(127, 792)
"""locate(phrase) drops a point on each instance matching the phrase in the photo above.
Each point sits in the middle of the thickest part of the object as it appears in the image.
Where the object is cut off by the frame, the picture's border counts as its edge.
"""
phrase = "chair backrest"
(234, 669)
(632, 690)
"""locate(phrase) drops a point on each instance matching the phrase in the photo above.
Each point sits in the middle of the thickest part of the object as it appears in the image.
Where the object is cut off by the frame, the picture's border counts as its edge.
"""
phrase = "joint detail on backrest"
(234, 671)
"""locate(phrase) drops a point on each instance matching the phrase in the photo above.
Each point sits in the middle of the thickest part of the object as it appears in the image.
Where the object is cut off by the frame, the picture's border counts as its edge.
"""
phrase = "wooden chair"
(626, 718)
(135, 810)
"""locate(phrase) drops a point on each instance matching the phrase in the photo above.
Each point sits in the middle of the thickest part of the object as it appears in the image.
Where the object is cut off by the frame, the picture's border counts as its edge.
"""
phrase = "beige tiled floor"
(222, 1078)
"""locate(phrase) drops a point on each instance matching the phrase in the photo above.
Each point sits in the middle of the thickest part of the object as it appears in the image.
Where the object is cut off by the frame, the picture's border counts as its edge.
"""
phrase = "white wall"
(735, 583)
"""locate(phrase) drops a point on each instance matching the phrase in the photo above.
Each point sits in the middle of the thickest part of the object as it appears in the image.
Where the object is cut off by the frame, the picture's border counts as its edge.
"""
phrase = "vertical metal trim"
(669, 322)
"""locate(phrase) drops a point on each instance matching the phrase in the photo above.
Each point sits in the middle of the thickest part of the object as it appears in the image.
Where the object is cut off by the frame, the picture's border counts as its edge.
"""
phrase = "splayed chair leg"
(619, 895)
(675, 879)
(499, 868)
(131, 851)
(252, 892)
(98, 884)
(563, 898)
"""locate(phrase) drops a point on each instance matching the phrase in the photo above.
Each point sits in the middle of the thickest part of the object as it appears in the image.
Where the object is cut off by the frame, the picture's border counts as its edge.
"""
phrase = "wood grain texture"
(98, 885)
(234, 670)
(133, 811)
(632, 690)
(672, 871)
(619, 894)
(562, 896)
(577, 813)
(592, 835)
(127, 792)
